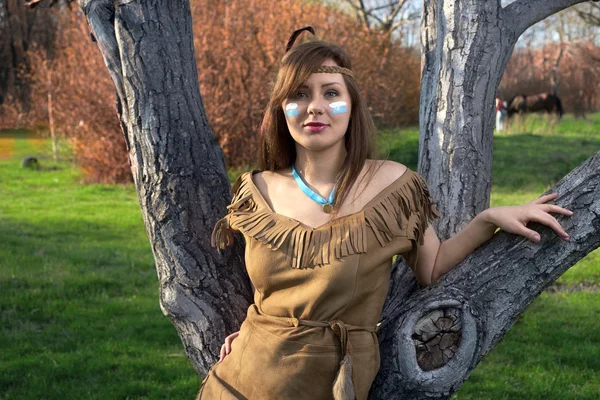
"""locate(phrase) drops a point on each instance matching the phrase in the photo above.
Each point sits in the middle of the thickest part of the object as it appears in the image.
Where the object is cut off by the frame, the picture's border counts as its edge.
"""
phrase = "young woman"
(322, 220)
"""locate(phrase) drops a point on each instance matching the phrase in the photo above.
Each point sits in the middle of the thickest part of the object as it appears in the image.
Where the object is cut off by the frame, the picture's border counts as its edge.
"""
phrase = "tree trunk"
(466, 45)
(461, 71)
(180, 177)
(13, 43)
(177, 165)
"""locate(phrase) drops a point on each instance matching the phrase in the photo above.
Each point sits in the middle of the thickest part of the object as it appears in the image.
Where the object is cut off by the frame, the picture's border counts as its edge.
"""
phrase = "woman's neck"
(320, 168)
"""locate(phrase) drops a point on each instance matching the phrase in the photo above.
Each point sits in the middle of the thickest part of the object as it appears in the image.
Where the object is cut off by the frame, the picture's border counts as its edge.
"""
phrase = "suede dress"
(311, 332)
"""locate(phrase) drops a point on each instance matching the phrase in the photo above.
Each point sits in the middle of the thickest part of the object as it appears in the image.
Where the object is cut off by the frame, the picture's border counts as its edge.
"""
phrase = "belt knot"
(341, 330)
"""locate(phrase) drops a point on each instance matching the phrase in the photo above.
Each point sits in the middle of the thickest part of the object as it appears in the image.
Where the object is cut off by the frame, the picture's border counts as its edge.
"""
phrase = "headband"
(328, 69)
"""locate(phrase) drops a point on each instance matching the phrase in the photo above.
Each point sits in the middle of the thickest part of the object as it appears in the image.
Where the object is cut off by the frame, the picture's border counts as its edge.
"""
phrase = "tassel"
(343, 388)
(222, 236)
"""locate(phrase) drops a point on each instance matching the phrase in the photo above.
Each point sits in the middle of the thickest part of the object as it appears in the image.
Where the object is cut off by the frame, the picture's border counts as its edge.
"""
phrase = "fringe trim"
(405, 211)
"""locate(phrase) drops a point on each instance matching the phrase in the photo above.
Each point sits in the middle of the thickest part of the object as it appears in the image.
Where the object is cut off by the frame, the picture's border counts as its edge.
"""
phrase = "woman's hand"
(226, 348)
(514, 219)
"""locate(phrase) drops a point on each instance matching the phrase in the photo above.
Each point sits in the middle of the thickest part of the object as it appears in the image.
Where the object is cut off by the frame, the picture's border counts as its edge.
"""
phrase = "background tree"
(20, 28)
(431, 339)
(386, 16)
(590, 14)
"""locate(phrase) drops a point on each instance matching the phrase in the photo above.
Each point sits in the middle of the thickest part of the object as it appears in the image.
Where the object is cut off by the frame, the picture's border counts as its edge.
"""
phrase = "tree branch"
(101, 19)
(589, 17)
(361, 10)
(401, 22)
(434, 337)
(524, 13)
(396, 10)
(386, 23)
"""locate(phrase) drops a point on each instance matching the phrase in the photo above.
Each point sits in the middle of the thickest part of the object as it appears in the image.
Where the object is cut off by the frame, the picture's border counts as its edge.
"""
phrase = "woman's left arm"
(436, 259)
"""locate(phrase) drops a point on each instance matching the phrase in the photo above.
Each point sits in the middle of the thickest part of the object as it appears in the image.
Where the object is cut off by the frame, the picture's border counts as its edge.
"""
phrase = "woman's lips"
(315, 128)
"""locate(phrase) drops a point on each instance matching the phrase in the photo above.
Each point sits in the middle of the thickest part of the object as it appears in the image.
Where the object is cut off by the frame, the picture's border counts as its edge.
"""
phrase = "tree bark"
(177, 165)
(182, 184)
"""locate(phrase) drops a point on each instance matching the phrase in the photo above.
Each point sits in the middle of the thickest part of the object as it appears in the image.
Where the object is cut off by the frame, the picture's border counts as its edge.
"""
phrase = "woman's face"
(318, 113)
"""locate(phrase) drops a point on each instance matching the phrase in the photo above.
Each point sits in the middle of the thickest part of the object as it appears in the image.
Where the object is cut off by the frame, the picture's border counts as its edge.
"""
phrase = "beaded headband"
(328, 69)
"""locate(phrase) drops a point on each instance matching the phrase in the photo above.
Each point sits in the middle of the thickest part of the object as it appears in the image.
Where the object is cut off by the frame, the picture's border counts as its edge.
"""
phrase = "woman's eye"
(300, 95)
(331, 93)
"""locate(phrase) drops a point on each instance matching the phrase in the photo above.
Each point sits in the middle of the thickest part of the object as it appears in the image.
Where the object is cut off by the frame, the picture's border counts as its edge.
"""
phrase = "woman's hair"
(277, 148)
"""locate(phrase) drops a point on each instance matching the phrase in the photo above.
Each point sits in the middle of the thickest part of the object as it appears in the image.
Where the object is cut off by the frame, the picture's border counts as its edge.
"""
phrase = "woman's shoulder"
(266, 181)
(382, 173)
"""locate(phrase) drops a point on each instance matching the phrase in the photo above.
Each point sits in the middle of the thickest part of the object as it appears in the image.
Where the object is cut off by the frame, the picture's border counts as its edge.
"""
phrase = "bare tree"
(20, 28)
(591, 15)
(387, 15)
(431, 339)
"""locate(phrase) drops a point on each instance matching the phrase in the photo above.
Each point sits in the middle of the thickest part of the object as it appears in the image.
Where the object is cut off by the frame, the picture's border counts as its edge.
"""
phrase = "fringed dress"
(311, 332)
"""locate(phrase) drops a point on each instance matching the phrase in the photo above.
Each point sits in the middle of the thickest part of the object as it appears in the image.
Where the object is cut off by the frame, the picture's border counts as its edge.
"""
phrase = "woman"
(322, 221)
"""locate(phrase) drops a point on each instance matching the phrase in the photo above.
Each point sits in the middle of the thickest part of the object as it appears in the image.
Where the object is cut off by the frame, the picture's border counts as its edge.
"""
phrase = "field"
(79, 313)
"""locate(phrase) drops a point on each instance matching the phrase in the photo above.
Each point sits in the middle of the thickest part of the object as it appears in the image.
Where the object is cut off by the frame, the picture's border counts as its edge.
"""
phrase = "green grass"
(552, 352)
(79, 313)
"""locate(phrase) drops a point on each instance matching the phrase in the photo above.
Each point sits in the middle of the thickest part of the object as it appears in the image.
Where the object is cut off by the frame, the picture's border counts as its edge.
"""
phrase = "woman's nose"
(316, 107)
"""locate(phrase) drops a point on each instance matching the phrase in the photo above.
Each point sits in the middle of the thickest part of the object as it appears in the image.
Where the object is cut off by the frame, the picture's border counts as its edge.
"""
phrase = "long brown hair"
(277, 147)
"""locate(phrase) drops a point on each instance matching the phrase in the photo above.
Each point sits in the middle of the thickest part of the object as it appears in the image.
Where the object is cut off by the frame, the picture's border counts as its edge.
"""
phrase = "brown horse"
(538, 102)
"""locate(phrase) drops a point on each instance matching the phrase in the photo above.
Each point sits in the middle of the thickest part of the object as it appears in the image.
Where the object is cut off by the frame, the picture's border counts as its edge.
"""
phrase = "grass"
(79, 313)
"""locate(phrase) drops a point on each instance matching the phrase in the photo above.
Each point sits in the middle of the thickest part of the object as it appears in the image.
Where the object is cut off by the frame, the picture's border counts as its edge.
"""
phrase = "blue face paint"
(338, 107)
(291, 110)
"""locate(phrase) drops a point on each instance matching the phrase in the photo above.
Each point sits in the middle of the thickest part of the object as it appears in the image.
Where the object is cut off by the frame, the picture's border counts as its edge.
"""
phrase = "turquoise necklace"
(326, 204)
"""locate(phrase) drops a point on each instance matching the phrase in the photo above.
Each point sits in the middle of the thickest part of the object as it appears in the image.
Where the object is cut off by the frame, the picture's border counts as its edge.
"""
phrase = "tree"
(431, 339)
(387, 15)
(591, 15)
(20, 28)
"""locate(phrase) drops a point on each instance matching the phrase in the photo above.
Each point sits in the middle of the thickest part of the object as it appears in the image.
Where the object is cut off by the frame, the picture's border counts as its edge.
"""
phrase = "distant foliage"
(83, 100)
(238, 48)
(570, 67)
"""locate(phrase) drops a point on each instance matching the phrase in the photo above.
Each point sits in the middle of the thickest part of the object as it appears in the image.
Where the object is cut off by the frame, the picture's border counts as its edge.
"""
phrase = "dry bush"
(83, 100)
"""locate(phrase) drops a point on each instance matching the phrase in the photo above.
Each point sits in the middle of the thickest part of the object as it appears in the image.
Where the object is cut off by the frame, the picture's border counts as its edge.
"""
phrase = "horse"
(538, 102)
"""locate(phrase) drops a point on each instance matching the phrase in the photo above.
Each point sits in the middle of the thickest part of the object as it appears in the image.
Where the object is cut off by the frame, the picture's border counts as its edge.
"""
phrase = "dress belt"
(338, 327)
(343, 387)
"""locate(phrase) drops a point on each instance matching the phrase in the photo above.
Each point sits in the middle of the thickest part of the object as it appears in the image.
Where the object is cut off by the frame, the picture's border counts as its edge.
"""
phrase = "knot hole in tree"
(437, 337)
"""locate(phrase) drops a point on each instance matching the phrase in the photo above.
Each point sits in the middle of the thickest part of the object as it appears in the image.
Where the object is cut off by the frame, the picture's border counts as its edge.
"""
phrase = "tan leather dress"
(311, 332)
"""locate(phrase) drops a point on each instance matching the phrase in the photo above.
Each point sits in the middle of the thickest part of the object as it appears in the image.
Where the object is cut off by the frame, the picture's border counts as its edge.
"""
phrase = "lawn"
(79, 305)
